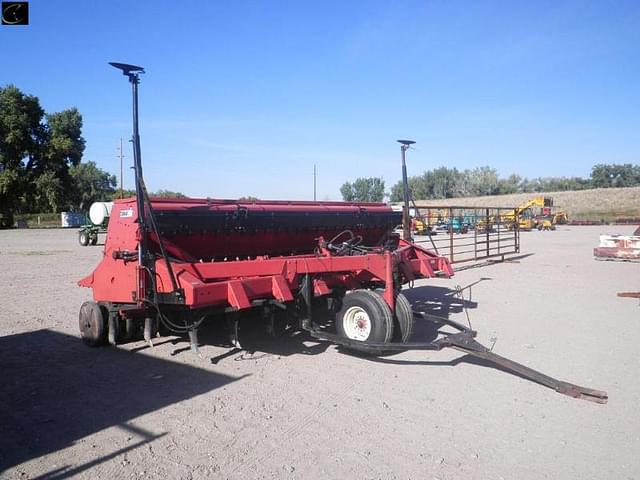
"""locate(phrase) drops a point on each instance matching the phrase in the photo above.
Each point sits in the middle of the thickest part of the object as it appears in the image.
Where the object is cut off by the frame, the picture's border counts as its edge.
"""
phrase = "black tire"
(402, 320)
(365, 316)
(83, 238)
(93, 324)
(94, 239)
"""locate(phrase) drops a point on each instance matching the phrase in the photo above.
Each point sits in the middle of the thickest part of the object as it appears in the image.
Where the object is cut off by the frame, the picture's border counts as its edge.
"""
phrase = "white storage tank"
(99, 212)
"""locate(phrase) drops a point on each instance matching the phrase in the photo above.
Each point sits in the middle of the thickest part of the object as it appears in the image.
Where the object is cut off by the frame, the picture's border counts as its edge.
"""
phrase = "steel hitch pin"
(193, 342)
(148, 326)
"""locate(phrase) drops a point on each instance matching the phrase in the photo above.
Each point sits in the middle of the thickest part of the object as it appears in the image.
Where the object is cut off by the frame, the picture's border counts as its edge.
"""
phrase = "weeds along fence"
(37, 220)
(467, 234)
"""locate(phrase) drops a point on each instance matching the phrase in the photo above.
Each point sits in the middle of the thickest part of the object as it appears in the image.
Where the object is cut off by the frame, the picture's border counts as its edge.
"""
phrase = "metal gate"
(467, 234)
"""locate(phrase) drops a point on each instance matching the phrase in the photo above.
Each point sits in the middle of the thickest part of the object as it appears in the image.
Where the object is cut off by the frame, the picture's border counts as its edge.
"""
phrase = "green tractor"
(98, 220)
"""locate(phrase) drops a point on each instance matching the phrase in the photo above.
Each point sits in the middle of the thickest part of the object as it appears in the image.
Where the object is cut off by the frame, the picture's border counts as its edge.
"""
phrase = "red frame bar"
(238, 283)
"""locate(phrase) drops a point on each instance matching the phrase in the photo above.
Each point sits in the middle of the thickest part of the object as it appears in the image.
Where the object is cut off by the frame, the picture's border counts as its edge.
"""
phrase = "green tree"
(33, 145)
(441, 182)
(557, 184)
(483, 181)
(396, 193)
(21, 135)
(64, 146)
(346, 190)
(91, 184)
(167, 194)
(125, 194)
(511, 184)
(158, 194)
(615, 175)
(48, 193)
(416, 190)
(445, 182)
(369, 189)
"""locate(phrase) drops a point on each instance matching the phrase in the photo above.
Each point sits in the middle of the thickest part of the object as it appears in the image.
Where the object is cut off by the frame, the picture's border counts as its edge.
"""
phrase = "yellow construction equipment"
(545, 222)
(424, 224)
(560, 217)
(523, 214)
(419, 226)
(543, 219)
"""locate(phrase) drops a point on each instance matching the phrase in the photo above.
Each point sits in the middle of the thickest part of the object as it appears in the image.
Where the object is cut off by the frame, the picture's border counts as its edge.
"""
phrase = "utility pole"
(121, 156)
(314, 182)
(406, 221)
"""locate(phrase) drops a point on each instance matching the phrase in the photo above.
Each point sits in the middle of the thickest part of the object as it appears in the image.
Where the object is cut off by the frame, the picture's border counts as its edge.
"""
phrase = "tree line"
(40, 158)
(41, 168)
(444, 182)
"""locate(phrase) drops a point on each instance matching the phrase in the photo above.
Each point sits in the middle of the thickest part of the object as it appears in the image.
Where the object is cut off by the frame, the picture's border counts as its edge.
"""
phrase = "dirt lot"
(299, 409)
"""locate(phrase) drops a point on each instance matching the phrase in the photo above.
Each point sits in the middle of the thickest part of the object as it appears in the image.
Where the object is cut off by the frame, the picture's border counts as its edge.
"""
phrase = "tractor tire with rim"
(83, 238)
(93, 324)
(402, 320)
(364, 316)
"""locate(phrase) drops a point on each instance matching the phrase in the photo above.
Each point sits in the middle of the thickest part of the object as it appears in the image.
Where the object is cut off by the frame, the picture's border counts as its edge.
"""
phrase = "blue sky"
(242, 98)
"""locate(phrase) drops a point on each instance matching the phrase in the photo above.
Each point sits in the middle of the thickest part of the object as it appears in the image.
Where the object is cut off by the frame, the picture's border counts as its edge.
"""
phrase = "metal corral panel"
(469, 234)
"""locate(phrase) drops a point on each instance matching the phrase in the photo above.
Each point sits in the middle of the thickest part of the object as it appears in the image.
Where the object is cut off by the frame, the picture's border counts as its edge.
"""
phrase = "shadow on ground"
(433, 300)
(55, 391)
(491, 261)
(256, 342)
(440, 302)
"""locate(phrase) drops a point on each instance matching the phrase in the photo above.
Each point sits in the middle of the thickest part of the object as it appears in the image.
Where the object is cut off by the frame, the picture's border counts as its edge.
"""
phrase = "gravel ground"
(299, 409)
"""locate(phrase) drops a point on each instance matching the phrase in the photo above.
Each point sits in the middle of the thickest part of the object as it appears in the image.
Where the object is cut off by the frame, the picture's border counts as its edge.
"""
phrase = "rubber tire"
(94, 239)
(379, 313)
(83, 238)
(93, 324)
(402, 320)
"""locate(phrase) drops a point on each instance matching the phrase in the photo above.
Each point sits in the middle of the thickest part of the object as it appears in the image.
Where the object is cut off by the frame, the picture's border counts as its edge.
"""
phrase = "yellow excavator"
(525, 218)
